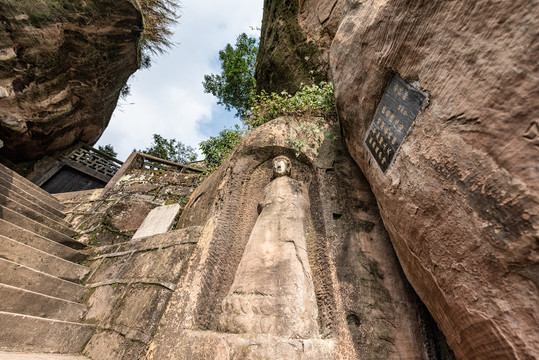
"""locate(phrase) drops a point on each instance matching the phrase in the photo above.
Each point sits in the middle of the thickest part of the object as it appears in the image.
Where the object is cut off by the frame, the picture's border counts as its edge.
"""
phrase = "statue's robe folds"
(273, 291)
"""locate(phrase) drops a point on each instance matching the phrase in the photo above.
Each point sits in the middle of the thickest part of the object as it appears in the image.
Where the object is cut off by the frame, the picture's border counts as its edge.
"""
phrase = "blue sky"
(168, 99)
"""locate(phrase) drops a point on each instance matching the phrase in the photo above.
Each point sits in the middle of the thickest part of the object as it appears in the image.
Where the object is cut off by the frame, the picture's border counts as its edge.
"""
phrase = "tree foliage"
(170, 149)
(217, 148)
(108, 149)
(235, 89)
(234, 86)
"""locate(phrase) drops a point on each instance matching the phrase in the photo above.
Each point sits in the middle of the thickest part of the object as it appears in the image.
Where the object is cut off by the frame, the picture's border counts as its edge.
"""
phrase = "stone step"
(30, 279)
(39, 260)
(4, 355)
(10, 193)
(39, 242)
(44, 204)
(37, 228)
(30, 187)
(24, 333)
(25, 302)
(61, 225)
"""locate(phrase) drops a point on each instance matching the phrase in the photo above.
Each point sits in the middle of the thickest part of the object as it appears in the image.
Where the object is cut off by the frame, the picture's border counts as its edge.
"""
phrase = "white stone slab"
(158, 221)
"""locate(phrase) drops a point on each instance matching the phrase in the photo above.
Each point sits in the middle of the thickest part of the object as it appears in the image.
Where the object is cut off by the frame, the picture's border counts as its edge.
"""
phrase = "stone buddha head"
(281, 166)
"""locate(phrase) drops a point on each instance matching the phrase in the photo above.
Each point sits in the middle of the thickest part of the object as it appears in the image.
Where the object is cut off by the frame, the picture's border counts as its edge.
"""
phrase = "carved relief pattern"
(273, 291)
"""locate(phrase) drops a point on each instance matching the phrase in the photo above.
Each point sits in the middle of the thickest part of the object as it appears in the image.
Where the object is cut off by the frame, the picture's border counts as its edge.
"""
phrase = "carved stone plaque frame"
(395, 115)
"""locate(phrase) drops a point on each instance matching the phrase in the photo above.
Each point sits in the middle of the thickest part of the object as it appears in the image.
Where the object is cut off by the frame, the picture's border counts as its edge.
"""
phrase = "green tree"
(170, 149)
(236, 83)
(217, 148)
(108, 149)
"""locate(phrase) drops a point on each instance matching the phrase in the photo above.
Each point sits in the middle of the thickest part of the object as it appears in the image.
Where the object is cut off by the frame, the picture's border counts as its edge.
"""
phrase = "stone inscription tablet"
(395, 114)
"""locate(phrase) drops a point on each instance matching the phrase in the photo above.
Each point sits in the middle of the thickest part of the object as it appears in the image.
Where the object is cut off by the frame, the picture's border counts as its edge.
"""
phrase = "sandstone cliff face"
(296, 49)
(322, 222)
(62, 65)
(461, 198)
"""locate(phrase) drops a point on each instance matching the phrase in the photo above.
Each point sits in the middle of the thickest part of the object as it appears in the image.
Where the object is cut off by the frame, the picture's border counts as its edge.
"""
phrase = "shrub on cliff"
(159, 16)
(310, 100)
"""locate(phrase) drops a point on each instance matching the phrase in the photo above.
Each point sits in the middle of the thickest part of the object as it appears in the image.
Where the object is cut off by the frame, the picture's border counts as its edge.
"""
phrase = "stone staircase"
(40, 291)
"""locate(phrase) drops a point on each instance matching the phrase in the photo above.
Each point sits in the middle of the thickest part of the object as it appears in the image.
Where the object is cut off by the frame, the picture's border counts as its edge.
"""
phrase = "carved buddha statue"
(273, 291)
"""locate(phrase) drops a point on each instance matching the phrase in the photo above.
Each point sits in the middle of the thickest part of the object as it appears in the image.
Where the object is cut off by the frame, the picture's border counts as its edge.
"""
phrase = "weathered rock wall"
(366, 308)
(62, 66)
(111, 217)
(130, 286)
(461, 198)
(294, 43)
(320, 20)
(131, 281)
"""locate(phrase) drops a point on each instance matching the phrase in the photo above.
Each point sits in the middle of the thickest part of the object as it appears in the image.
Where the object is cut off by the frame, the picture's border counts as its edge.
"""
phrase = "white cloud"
(168, 99)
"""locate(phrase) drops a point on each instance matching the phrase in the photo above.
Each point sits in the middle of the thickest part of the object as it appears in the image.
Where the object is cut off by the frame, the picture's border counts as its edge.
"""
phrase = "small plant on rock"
(315, 100)
(311, 100)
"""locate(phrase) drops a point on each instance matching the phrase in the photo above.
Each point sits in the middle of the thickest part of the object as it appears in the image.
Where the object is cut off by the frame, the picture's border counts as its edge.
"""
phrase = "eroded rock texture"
(62, 66)
(294, 42)
(461, 197)
(364, 307)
